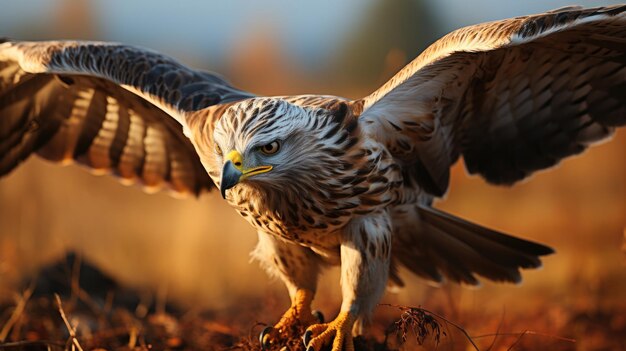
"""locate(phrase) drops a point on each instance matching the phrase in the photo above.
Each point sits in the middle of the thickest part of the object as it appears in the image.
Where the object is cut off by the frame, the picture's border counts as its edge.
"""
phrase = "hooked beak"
(233, 171)
(230, 177)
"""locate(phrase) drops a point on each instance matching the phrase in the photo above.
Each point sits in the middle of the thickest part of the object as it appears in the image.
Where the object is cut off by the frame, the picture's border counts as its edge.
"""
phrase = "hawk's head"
(268, 142)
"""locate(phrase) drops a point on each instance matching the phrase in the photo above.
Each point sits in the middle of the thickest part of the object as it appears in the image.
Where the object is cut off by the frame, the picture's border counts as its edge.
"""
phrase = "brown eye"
(218, 150)
(271, 148)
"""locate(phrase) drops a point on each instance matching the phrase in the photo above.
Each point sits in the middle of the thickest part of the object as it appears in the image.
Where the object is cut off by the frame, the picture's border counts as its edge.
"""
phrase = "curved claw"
(337, 333)
(265, 342)
(306, 338)
(319, 316)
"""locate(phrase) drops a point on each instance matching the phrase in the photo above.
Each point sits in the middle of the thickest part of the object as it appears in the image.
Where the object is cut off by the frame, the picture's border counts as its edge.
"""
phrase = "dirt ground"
(93, 312)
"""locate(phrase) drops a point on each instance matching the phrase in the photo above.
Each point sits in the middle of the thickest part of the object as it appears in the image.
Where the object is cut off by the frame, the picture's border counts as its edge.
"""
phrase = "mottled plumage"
(326, 180)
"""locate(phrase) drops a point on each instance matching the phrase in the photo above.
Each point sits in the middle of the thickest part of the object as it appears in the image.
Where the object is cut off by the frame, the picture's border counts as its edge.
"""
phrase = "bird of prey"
(327, 180)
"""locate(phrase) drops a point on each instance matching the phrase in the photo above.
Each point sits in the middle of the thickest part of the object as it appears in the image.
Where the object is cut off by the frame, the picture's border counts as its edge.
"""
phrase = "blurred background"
(195, 251)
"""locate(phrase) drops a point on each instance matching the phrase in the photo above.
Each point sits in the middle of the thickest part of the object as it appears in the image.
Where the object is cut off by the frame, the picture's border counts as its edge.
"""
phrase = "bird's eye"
(218, 150)
(271, 148)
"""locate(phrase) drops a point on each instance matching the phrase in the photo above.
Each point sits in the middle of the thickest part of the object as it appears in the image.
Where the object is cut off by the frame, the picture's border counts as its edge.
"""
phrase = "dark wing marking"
(106, 106)
(512, 96)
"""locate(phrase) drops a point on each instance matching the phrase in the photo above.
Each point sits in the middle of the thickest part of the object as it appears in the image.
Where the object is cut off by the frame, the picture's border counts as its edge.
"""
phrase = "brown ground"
(107, 316)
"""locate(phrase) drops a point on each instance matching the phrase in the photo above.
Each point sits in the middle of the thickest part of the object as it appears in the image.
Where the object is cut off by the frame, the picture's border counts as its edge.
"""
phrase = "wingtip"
(535, 248)
(546, 250)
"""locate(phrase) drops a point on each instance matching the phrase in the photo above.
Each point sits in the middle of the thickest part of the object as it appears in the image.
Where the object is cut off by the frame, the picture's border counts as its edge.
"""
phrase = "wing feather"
(110, 107)
(512, 97)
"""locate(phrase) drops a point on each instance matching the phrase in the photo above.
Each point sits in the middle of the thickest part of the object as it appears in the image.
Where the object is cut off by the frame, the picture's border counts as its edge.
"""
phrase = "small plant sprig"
(423, 323)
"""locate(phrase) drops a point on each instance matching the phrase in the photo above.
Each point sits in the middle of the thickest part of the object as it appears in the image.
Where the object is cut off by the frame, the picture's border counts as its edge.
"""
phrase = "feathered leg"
(298, 267)
(365, 255)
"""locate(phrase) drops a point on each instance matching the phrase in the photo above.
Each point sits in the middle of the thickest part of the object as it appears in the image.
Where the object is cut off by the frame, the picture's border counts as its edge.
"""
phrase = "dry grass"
(43, 326)
(83, 319)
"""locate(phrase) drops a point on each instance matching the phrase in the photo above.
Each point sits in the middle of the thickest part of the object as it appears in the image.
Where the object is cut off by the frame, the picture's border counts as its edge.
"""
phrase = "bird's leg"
(365, 256)
(298, 267)
(299, 312)
(296, 318)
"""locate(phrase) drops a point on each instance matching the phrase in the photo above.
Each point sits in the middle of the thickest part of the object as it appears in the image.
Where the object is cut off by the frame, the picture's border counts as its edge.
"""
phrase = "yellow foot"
(339, 332)
(293, 322)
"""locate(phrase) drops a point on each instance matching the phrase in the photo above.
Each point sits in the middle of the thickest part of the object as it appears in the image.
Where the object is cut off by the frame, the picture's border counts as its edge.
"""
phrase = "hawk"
(327, 180)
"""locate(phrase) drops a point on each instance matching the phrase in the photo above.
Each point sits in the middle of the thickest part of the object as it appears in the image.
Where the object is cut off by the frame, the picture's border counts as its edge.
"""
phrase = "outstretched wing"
(113, 108)
(511, 97)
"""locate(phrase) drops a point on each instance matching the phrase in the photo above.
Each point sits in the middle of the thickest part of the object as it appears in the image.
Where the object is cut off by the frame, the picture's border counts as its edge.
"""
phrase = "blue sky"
(310, 29)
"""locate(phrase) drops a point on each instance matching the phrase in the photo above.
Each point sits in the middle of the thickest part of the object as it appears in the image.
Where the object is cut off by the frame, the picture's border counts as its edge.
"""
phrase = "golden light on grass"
(195, 251)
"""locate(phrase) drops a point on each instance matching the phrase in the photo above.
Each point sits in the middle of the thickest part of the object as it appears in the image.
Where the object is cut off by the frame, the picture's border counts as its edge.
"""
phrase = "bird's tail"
(438, 244)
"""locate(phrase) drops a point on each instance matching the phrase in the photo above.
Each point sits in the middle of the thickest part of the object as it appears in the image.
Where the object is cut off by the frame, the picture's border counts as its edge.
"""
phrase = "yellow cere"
(235, 157)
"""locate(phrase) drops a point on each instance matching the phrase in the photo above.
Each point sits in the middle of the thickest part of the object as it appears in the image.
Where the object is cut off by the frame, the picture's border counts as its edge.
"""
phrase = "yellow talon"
(339, 332)
(293, 321)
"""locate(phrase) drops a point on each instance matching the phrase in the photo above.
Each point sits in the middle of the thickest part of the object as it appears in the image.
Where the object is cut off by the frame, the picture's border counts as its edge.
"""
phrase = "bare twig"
(457, 326)
(517, 340)
(495, 337)
(75, 279)
(132, 338)
(70, 329)
(471, 338)
(17, 312)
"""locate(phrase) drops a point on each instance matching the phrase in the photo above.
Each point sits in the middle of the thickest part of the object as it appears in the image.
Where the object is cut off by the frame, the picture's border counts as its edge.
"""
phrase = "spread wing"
(512, 97)
(113, 108)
